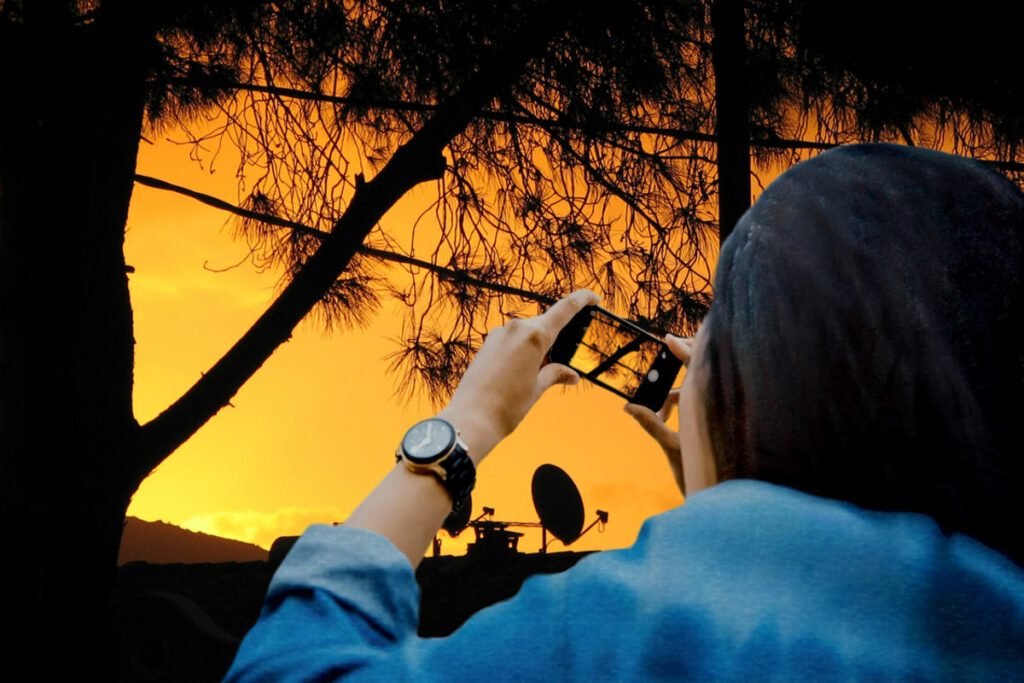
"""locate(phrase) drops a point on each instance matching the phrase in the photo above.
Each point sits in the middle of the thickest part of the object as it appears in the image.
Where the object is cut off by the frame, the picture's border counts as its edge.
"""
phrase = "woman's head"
(865, 339)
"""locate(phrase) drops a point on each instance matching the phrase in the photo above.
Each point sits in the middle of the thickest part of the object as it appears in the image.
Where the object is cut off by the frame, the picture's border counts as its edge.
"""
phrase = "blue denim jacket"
(746, 581)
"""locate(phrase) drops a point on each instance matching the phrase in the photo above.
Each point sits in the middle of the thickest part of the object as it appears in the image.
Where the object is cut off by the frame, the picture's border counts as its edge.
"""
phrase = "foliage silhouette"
(579, 144)
(550, 189)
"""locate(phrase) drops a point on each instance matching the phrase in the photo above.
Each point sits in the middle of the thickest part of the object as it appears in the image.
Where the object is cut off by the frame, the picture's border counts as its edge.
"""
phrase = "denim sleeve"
(344, 604)
(341, 604)
(747, 581)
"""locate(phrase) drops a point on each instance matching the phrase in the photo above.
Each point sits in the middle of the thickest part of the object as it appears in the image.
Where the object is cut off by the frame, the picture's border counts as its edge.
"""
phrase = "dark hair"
(865, 340)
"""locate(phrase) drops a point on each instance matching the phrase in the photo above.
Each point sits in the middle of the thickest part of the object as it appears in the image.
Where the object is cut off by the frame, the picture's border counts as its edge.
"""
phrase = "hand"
(506, 377)
(654, 422)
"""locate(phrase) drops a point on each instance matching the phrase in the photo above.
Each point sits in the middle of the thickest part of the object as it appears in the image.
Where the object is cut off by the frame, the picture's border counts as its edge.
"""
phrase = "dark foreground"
(183, 622)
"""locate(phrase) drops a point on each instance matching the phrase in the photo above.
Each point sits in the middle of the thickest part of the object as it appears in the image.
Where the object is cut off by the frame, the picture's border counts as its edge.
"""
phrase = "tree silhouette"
(793, 77)
(572, 144)
(614, 182)
(580, 196)
(406, 85)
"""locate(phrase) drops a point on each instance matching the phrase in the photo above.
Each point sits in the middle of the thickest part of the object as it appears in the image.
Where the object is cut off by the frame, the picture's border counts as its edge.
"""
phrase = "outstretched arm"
(502, 383)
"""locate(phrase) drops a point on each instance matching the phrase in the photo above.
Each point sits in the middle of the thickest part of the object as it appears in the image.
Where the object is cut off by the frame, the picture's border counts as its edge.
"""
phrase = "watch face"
(428, 440)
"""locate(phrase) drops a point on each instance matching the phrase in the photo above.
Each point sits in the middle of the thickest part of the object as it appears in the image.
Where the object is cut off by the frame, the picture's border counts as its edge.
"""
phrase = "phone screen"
(617, 355)
(614, 354)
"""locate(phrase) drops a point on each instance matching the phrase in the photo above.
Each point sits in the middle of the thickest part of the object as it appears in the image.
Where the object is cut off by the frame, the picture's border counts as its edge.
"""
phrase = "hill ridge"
(165, 543)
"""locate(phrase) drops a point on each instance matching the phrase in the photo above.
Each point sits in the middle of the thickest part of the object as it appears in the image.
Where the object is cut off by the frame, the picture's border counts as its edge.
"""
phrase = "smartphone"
(618, 355)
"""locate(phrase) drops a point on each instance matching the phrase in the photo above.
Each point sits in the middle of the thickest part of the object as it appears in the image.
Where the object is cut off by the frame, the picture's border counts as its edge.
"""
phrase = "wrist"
(479, 436)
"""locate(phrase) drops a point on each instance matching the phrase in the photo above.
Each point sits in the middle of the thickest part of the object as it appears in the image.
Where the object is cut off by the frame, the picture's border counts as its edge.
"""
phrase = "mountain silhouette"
(163, 543)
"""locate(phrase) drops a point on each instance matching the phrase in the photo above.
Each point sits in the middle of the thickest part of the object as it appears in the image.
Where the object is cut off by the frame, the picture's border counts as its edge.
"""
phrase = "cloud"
(262, 528)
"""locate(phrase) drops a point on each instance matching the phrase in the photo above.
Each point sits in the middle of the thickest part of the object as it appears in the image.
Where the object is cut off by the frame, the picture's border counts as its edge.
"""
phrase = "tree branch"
(592, 129)
(505, 117)
(417, 160)
(489, 115)
(440, 271)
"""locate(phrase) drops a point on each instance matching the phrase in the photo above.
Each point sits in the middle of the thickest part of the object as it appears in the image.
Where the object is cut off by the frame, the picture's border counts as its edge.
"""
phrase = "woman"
(848, 447)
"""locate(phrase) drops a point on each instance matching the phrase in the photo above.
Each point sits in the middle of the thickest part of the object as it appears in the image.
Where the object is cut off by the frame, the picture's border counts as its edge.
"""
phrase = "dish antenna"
(558, 503)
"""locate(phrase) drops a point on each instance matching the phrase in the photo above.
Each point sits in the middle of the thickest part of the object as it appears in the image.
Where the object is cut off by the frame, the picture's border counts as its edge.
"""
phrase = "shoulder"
(744, 527)
(753, 572)
(745, 513)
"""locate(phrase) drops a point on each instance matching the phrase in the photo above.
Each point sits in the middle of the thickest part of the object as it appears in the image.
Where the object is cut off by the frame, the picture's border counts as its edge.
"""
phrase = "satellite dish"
(558, 503)
(457, 520)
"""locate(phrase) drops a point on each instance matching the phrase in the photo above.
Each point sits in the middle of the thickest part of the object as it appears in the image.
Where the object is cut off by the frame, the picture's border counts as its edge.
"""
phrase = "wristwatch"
(433, 446)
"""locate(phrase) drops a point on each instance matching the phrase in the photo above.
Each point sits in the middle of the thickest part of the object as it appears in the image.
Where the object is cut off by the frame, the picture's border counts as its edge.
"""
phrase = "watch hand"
(426, 439)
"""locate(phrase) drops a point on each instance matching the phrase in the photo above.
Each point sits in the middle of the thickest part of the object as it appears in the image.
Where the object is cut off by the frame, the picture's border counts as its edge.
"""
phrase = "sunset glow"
(310, 435)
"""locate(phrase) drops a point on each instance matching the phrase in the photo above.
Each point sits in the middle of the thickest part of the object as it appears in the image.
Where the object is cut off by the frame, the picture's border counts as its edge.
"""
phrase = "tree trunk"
(69, 132)
(732, 118)
(73, 453)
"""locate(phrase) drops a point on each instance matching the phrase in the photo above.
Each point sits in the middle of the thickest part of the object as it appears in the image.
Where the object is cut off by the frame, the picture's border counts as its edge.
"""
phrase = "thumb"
(556, 373)
(681, 348)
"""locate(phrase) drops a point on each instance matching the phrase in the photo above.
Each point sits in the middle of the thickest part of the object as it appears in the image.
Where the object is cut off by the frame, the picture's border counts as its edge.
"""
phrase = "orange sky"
(316, 428)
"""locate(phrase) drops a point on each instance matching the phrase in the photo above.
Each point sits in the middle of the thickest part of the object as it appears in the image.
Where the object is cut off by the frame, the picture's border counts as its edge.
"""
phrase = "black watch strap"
(460, 476)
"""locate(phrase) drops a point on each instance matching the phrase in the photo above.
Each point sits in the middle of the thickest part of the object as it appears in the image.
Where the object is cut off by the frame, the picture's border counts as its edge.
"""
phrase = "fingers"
(671, 401)
(665, 437)
(559, 315)
(647, 418)
(653, 425)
